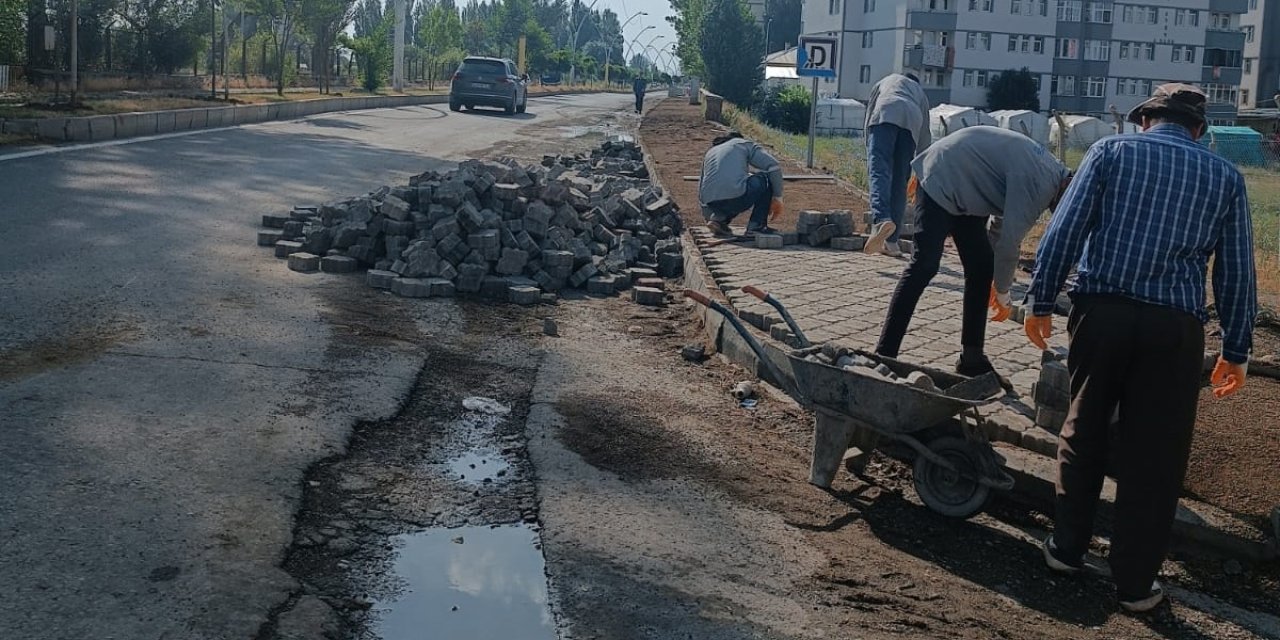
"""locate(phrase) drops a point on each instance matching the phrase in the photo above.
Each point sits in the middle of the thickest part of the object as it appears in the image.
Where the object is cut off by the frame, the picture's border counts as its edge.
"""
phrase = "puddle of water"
(478, 465)
(470, 583)
(580, 131)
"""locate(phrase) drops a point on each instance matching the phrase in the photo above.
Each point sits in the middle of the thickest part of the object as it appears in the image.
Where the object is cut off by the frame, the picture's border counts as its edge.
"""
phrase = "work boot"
(1143, 603)
(892, 250)
(880, 233)
(975, 367)
(719, 229)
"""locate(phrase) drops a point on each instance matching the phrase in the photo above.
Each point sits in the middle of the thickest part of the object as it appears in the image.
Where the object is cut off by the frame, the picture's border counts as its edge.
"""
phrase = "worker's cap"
(1175, 97)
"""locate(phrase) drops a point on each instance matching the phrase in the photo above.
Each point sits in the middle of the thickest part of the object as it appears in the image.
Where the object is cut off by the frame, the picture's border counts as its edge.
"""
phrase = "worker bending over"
(968, 178)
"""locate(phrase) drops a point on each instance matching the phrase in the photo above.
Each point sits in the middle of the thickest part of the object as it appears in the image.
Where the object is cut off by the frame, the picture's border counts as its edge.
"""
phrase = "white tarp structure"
(840, 117)
(949, 118)
(1028, 123)
(1082, 131)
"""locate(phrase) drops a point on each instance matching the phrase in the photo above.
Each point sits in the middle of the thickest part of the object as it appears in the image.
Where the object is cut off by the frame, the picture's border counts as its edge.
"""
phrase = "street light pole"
(609, 50)
(573, 63)
(213, 49)
(631, 44)
(75, 51)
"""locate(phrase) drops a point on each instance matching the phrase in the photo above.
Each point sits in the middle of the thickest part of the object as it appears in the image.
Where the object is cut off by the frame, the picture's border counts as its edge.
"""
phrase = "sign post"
(816, 58)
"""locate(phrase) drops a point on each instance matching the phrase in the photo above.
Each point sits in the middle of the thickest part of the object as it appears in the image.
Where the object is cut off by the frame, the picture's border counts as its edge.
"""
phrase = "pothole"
(479, 466)
(467, 583)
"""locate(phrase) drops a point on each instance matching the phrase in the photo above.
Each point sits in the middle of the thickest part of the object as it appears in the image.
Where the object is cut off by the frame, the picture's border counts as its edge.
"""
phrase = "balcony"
(929, 57)
(932, 15)
(1229, 6)
(1221, 75)
(1231, 39)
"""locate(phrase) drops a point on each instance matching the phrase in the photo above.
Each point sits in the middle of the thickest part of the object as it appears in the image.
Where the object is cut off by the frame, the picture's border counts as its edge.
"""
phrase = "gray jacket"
(989, 171)
(725, 170)
(901, 101)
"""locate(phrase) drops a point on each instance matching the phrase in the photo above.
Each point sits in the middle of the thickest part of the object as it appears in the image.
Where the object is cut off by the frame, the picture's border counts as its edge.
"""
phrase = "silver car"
(489, 82)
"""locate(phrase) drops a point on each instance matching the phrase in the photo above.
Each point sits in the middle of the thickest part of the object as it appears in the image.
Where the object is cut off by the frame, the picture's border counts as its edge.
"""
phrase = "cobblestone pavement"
(843, 297)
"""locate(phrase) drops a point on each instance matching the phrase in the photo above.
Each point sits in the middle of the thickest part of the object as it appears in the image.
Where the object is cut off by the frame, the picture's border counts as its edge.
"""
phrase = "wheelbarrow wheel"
(957, 495)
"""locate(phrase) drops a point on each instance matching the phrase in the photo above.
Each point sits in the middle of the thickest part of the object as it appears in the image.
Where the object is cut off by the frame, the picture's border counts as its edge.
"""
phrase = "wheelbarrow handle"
(757, 292)
(772, 301)
(752, 342)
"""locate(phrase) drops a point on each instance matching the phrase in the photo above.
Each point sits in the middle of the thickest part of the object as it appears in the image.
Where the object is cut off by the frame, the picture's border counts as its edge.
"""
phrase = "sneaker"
(1143, 604)
(892, 250)
(1055, 563)
(880, 232)
(719, 229)
(975, 368)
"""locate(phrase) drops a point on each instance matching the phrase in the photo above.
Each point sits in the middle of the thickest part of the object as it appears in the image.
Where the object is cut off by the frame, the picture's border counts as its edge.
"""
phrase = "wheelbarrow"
(938, 430)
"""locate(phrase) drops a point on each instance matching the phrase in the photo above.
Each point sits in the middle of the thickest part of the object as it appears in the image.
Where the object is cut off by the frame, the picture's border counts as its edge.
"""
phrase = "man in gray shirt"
(727, 186)
(897, 126)
(968, 178)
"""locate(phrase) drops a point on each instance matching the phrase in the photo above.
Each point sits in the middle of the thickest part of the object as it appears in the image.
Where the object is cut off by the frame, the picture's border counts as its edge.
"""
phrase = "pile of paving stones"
(500, 230)
(836, 355)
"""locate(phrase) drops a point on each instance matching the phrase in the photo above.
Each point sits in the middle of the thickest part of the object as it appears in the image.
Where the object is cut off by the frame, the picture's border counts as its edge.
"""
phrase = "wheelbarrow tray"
(887, 406)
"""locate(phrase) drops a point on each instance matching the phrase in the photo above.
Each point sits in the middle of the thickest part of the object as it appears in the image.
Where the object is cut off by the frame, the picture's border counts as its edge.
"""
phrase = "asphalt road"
(165, 383)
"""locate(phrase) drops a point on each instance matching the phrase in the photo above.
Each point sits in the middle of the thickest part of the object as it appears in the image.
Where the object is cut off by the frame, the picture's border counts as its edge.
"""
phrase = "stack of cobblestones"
(498, 229)
(1052, 393)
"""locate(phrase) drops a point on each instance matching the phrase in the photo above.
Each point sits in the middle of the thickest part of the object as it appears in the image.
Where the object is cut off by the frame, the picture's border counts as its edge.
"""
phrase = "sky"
(658, 11)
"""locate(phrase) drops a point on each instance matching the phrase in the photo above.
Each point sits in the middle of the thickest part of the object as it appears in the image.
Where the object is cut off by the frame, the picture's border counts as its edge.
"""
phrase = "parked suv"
(489, 82)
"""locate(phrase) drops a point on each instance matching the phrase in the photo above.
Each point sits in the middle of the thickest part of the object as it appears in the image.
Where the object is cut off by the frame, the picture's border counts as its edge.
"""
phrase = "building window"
(939, 5)
(1244, 97)
(1184, 53)
(1036, 79)
(1015, 7)
(1037, 45)
(1097, 49)
(982, 78)
(1221, 93)
(1133, 87)
(1248, 33)
(868, 39)
(1144, 51)
(833, 6)
(984, 41)
(864, 74)
(1253, 4)
(1137, 14)
(1222, 58)
(1220, 21)
(1095, 87)
(868, 6)
(1044, 8)
(971, 40)
(1062, 85)
(968, 78)
(1098, 12)
(1186, 18)
(1123, 54)
(1067, 48)
(1068, 10)
(1248, 65)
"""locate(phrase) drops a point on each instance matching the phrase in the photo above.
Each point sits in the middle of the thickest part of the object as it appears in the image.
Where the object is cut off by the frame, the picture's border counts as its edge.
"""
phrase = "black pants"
(1146, 360)
(970, 236)
(639, 102)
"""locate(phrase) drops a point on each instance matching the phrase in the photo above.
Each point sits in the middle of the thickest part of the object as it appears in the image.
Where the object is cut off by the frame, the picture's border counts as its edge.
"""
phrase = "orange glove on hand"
(1038, 328)
(1001, 303)
(1227, 378)
(912, 186)
(775, 209)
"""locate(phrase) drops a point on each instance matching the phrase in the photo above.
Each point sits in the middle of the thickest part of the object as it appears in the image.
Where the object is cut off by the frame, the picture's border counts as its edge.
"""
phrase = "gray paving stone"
(648, 296)
(338, 264)
(304, 262)
(380, 279)
(286, 247)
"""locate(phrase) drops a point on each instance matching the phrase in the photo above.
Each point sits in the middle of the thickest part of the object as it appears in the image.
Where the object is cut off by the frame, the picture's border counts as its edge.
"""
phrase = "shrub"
(786, 108)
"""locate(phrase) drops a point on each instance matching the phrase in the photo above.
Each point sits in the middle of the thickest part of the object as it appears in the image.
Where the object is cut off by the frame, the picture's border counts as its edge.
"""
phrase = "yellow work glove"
(1038, 328)
(1227, 378)
(1001, 303)
(775, 209)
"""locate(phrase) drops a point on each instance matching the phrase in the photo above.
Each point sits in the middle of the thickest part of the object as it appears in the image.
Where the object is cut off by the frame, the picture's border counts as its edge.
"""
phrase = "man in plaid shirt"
(1142, 218)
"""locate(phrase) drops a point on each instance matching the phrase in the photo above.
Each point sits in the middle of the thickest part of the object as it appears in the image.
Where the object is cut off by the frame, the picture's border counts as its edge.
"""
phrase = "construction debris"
(498, 229)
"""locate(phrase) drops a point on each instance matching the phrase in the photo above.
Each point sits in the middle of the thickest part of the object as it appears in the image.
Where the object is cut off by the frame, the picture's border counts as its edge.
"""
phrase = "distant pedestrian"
(639, 86)
(967, 179)
(727, 186)
(1143, 218)
(896, 128)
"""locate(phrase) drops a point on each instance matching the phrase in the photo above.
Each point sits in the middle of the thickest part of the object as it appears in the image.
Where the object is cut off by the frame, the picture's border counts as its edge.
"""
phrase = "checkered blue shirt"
(1143, 216)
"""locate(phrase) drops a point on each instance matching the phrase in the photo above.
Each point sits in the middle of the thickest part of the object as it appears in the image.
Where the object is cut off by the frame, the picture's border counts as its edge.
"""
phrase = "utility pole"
(397, 68)
(75, 51)
(213, 50)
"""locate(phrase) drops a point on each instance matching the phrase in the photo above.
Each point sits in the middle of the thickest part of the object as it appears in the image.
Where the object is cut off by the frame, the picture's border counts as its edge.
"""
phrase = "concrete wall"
(128, 125)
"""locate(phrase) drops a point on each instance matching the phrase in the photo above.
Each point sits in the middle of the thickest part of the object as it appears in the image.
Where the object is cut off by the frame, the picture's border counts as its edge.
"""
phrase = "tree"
(323, 20)
(440, 32)
(170, 31)
(732, 52)
(1013, 90)
(12, 31)
(783, 18)
(687, 20)
(282, 17)
(786, 108)
(372, 44)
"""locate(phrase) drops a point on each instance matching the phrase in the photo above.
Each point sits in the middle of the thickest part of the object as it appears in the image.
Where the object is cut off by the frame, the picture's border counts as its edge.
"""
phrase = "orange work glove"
(1001, 303)
(912, 185)
(1227, 378)
(775, 209)
(1038, 328)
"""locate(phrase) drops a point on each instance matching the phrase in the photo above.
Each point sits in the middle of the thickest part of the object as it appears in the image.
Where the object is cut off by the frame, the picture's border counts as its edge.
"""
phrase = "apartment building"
(1261, 83)
(1086, 56)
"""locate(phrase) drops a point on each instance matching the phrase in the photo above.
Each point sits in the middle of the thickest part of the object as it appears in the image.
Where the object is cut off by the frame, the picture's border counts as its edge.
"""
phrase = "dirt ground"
(674, 133)
(1236, 441)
